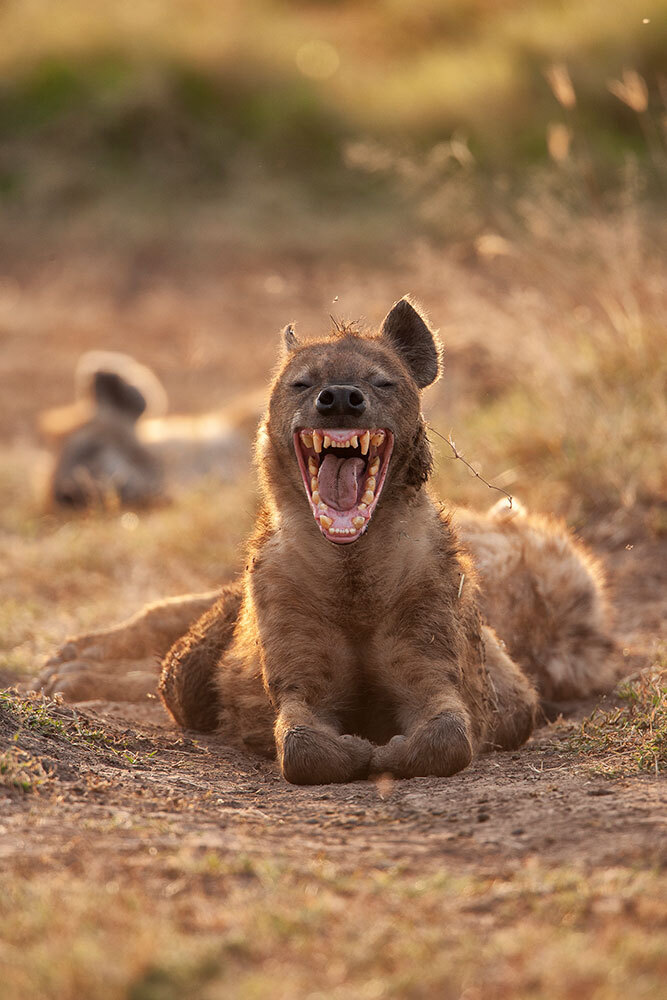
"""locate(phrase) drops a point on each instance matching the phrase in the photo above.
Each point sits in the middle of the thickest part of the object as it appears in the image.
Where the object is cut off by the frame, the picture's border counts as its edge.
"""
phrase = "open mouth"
(343, 472)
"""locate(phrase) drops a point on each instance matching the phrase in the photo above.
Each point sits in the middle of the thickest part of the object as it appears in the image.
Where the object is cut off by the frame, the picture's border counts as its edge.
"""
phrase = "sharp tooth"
(316, 497)
(313, 467)
(364, 442)
(370, 484)
(358, 522)
(307, 439)
(354, 441)
(317, 441)
(325, 521)
(374, 467)
(377, 438)
(368, 497)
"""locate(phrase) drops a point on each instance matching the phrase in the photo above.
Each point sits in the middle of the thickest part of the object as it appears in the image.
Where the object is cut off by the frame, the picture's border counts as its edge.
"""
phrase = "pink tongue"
(339, 481)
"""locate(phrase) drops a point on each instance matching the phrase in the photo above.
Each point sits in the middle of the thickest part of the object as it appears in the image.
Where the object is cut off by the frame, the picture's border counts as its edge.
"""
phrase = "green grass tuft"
(631, 737)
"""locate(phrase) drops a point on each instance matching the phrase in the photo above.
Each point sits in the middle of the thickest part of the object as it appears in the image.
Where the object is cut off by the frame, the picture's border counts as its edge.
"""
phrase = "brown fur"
(370, 656)
(381, 655)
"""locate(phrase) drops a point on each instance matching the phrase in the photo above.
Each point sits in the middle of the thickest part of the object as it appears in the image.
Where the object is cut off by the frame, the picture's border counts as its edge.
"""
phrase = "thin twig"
(457, 454)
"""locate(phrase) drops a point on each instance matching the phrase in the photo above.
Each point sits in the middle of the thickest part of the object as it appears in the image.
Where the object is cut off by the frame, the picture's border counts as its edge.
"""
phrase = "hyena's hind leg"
(121, 663)
(188, 679)
(544, 595)
(513, 695)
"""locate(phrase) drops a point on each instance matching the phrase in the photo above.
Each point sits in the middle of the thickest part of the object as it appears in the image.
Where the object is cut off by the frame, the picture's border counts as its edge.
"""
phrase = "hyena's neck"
(398, 538)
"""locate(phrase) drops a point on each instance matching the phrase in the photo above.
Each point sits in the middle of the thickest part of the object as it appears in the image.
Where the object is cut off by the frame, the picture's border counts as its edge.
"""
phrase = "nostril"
(325, 401)
(356, 399)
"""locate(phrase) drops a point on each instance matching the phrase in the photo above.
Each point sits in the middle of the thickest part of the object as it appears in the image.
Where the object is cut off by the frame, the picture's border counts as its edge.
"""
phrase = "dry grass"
(264, 928)
(20, 771)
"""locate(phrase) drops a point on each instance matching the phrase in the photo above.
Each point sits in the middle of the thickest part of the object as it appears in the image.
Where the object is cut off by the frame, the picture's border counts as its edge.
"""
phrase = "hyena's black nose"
(341, 400)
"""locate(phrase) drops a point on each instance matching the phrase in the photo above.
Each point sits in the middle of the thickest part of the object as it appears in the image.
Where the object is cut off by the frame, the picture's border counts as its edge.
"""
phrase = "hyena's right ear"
(407, 332)
(290, 343)
(112, 392)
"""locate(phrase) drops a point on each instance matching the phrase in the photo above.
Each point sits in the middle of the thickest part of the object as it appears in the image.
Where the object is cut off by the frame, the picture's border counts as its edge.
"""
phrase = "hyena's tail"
(187, 682)
(544, 594)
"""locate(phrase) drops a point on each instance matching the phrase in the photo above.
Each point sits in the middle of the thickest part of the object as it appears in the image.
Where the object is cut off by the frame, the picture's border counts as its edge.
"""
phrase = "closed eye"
(300, 386)
(383, 384)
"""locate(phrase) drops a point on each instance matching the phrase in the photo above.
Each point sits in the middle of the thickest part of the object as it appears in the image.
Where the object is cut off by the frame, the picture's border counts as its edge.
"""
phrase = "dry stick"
(457, 454)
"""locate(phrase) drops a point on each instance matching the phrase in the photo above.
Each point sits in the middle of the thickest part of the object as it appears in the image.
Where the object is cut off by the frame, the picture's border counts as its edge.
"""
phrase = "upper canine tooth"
(325, 521)
(313, 467)
(327, 441)
(370, 484)
(317, 441)
(374, 467)
(377, 438)
(368, 497)
(364, 442)
(307, 439)
(354, 441)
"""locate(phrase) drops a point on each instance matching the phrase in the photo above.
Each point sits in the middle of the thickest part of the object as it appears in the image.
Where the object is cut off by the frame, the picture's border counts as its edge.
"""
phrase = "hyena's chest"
(360, 654)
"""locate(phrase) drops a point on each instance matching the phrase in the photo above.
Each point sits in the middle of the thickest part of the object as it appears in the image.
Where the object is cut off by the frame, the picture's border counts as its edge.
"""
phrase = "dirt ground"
(119, 798)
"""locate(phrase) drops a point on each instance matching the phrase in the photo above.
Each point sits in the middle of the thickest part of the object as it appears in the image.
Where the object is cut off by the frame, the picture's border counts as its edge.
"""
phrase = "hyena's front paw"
(441, 746)
(311, 757)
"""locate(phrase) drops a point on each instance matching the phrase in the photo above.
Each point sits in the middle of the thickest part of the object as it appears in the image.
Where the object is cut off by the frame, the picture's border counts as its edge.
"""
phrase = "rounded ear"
(114, 393)
(290, 343)
(408, 334)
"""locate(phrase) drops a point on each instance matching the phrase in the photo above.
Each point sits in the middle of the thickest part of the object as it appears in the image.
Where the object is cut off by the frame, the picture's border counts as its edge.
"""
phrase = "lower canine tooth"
(368, 497)
(307, 439)
(358, 522)
(317, 441)
(364, 442)
(327, 441)
(325, 521)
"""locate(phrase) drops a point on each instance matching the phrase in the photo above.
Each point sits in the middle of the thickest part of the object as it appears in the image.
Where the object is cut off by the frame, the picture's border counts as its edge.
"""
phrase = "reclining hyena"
(115, 445)
(367, 634)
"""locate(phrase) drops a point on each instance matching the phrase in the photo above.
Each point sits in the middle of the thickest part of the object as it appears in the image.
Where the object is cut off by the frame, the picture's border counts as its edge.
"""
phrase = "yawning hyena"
(358, 640)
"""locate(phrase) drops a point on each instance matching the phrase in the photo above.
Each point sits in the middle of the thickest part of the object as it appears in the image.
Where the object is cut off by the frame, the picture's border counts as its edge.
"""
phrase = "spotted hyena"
(370, 632)
(116, 445)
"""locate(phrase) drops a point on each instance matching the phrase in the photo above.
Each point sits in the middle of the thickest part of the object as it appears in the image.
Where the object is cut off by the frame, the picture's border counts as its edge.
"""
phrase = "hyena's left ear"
(290, 342)
(405, 330)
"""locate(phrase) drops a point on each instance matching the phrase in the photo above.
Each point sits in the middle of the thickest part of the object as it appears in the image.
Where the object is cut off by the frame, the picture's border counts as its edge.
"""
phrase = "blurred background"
(180, 178)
